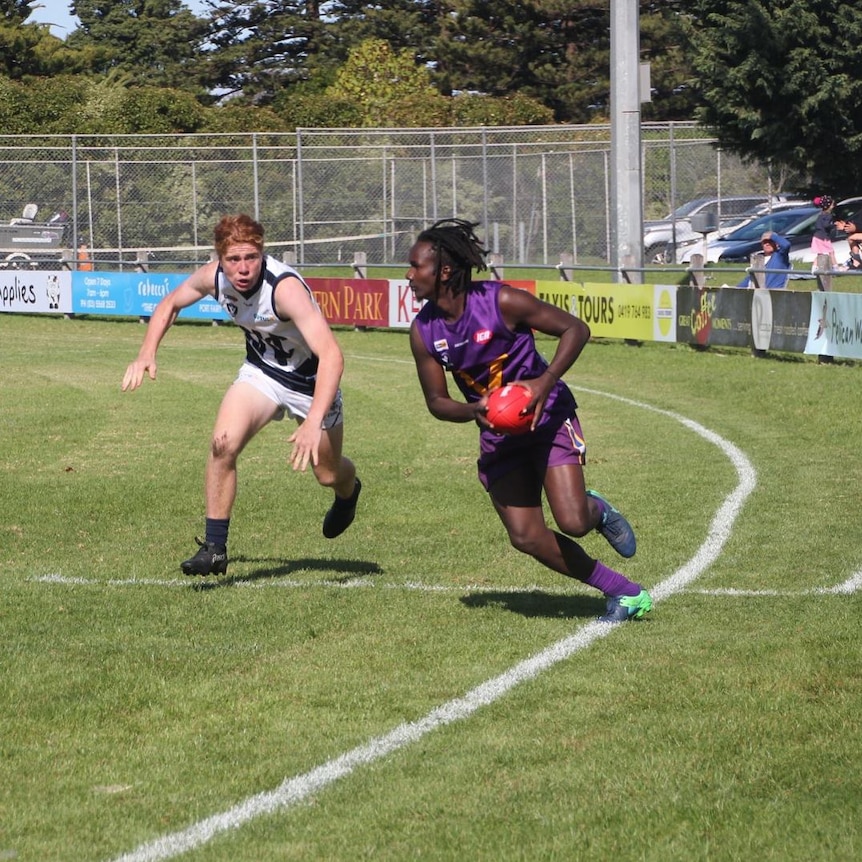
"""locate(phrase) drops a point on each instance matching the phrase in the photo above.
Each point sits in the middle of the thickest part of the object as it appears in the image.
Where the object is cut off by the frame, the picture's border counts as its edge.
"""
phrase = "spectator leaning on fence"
(855, 243)
(776, 258)
(293, 367)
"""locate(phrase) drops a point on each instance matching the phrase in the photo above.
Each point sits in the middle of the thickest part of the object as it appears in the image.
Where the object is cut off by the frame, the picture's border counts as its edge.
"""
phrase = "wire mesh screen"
(323, 194)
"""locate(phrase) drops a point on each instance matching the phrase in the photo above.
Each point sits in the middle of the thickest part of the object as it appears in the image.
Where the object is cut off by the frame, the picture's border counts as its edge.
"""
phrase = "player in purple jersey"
(293, 367)
(482, 333)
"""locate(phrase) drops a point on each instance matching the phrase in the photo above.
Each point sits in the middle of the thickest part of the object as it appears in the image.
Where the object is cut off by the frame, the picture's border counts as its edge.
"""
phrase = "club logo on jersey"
(238, 300)
(231, 308)
(482, 336)
(441, 344)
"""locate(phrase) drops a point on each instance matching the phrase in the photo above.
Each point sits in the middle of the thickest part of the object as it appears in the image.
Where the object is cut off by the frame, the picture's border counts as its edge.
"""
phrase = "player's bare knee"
(575, 520)
(574, 524)
(222, 448)
(525, 542)
(326, 477)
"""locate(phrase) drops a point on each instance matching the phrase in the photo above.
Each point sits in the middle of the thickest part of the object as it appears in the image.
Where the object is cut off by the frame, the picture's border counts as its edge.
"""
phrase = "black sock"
(349, 501)
(216, 531)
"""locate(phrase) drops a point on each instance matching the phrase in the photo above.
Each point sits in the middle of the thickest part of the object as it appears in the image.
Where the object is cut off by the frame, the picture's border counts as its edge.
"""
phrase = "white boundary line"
(294, 790)
(852, 585)
(845, 588)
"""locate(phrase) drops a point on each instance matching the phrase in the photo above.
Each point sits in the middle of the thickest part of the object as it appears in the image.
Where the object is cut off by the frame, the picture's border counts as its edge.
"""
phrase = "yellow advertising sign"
(639, 312)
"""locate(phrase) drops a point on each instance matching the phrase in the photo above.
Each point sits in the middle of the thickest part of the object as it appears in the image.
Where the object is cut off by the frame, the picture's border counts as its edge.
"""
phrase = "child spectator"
(824, 231)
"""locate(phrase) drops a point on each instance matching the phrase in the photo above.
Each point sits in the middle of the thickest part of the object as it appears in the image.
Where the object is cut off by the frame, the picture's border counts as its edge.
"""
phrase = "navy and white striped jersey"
(274, 345)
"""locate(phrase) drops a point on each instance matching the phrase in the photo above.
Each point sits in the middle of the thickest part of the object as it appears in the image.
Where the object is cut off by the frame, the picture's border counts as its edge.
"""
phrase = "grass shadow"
(535, 603)
(267, 568)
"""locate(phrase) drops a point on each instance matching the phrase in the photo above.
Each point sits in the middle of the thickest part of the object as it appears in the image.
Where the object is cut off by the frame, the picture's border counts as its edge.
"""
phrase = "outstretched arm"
(198, 285)
(292, 300)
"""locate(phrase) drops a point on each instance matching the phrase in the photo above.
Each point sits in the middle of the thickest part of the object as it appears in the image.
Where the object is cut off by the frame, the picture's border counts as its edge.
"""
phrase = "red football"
(504, 409)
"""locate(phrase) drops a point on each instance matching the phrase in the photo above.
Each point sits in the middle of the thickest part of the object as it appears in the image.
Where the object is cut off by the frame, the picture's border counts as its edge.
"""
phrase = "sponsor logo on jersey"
(482, 336)
(441, 344)
(263, 318)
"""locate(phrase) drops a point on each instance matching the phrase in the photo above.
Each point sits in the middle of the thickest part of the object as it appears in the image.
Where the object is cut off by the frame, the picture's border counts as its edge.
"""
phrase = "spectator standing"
(776, 258)
(824, 231)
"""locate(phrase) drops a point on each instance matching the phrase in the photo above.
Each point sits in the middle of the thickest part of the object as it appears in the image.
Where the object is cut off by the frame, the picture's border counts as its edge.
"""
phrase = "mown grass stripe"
(296, 789)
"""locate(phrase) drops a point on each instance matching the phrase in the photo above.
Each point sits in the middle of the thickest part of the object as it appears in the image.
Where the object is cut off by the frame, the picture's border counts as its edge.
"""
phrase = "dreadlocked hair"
(458, 247)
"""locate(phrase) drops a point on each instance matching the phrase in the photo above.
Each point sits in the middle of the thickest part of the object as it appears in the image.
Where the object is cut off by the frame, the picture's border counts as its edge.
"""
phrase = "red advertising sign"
(353, 301)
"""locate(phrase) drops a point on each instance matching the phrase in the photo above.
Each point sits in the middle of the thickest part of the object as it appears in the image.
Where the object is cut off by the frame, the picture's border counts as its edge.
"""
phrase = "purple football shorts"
(551, 445)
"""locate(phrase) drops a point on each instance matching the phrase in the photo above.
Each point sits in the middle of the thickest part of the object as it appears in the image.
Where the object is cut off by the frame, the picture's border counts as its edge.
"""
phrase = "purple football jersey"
(482, 353)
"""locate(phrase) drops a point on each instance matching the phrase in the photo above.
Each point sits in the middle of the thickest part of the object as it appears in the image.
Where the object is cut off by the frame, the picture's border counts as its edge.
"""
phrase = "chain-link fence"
(324, 194)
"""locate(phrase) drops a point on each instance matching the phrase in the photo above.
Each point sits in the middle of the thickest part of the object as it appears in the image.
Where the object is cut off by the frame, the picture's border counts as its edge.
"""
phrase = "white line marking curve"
(293, 790)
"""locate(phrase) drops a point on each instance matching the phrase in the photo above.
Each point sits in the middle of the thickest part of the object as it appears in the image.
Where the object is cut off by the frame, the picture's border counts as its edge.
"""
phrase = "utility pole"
(626, 175)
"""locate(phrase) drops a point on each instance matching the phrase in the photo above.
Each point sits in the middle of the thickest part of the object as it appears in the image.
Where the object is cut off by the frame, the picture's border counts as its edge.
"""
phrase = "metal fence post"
(360, 260)
(300, 206)
(495, 264)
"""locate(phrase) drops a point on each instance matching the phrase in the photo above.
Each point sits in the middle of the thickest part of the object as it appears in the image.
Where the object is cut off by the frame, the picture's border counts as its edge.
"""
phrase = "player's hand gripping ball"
(505, 406)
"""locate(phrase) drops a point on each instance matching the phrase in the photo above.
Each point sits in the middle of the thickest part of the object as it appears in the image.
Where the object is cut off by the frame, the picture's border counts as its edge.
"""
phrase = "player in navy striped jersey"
(293, 367)
(482, 333)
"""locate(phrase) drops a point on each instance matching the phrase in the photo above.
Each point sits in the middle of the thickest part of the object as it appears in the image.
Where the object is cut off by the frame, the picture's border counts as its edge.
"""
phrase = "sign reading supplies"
(35, 291)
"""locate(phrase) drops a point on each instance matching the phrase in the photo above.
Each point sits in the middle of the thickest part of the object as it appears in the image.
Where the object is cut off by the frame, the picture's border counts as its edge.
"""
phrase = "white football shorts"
(292, 403)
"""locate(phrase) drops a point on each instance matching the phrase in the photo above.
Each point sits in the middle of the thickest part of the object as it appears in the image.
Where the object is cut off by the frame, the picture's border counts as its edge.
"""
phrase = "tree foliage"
(665, 44)
(548, 50)
(375, 78)
(154, 41)
(46, 108)
(15, 11)
(776, 81)
(558, 52)
(257, 49)
(460, 62)
(782, 82)
(29, 50)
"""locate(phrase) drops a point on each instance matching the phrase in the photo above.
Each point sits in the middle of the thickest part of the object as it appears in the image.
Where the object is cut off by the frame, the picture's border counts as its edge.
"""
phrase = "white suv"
(662, 237)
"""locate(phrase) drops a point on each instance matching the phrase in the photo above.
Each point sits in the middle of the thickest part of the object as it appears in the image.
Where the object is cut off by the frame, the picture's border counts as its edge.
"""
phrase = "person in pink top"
(824, 230)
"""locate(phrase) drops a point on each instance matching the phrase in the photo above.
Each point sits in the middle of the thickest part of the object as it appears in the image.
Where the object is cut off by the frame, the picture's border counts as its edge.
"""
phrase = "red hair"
(237, 230)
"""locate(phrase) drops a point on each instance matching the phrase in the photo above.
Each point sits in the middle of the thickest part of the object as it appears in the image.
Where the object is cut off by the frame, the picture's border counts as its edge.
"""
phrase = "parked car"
(712, 241)
(795, 225)
(747, 236)
(850, 209)
(662, 237)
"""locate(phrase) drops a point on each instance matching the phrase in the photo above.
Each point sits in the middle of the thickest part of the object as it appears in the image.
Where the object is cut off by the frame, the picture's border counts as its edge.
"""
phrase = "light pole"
(626, 174)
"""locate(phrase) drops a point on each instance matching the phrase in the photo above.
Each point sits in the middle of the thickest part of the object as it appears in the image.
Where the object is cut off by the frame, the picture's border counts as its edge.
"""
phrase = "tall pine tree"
(782, 81)
(154, 41)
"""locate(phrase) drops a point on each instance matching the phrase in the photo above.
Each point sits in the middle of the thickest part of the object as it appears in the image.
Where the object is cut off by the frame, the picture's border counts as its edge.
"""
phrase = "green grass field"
(416, 689)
